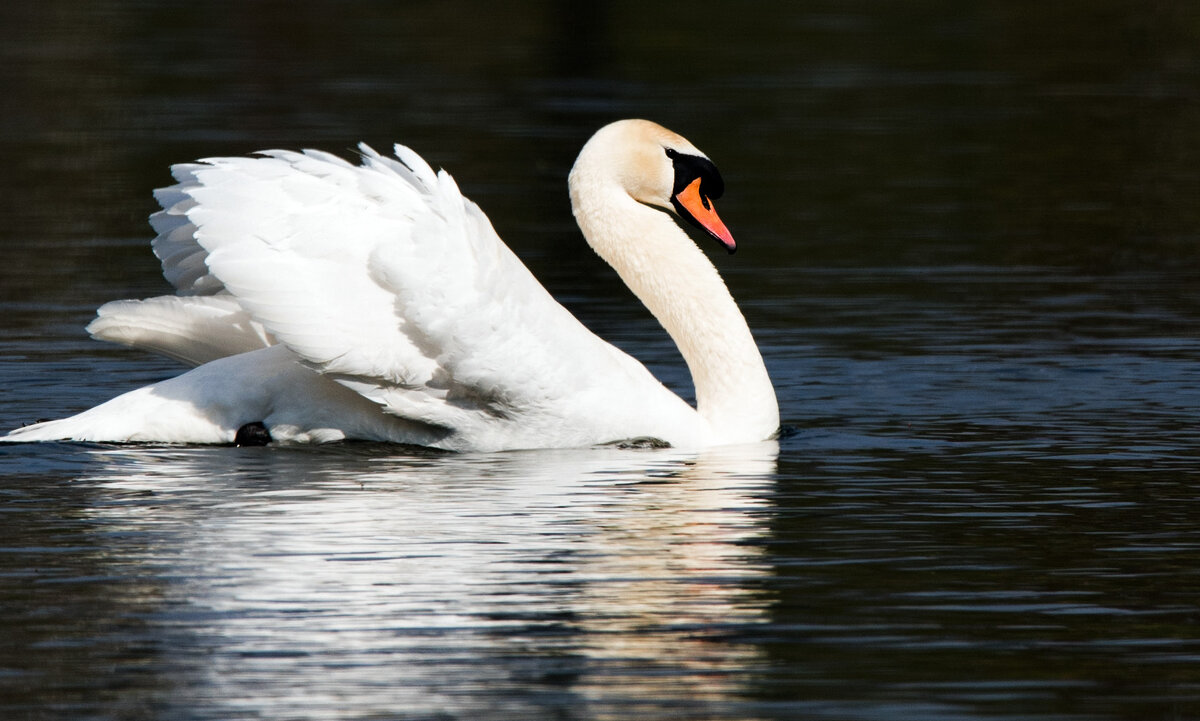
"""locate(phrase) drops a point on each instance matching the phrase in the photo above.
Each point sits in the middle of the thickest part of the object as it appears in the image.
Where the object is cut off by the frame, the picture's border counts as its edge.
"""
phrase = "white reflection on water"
(304, 580)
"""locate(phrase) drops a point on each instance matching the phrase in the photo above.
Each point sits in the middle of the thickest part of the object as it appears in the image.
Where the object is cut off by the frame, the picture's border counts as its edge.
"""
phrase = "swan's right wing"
(385, 278)
(184, 260)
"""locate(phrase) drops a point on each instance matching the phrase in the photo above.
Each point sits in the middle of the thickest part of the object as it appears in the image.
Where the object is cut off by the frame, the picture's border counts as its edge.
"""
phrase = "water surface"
(968, 249)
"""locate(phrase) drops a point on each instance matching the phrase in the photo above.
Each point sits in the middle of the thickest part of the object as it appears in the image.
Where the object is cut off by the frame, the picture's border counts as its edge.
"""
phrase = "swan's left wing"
(385, 278)
(192, 329)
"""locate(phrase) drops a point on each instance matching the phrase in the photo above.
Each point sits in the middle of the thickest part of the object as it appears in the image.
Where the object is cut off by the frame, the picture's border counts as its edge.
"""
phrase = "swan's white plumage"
(380, 279)
(191, 329)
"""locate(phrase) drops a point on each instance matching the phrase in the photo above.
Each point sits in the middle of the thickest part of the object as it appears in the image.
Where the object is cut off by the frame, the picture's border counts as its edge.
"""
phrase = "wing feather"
(181, 255)
(386, 278)
(190, 329)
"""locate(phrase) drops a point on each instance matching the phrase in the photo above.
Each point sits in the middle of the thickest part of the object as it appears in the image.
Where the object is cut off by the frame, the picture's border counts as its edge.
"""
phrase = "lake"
(969, 248)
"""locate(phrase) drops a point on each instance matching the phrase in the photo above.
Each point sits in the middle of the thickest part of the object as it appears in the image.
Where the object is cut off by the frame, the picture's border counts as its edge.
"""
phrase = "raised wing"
(385, 278)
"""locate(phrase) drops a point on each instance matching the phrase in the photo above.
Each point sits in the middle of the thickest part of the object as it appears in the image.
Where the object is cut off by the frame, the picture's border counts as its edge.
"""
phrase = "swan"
(320, 300)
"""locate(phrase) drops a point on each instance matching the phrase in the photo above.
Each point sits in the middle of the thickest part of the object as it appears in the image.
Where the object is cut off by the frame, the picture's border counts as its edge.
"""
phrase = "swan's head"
(656, 167)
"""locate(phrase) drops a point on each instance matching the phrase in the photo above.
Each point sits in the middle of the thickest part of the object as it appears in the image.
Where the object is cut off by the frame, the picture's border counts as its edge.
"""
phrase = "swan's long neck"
(680, 286)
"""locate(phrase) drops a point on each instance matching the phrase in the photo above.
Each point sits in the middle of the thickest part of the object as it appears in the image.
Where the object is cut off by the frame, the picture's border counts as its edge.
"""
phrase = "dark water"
(969, 250)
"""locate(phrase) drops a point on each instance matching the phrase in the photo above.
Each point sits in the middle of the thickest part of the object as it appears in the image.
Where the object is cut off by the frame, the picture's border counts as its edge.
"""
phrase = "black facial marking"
(690, 167)
(687, 169)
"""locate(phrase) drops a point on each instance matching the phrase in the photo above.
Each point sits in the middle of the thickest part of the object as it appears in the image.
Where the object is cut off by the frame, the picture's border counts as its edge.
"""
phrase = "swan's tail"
(64, 429)
(143, 414)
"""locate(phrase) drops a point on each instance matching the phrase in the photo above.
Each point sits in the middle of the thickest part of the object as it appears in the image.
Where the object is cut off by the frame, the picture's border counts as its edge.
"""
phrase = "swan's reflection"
(610, 576)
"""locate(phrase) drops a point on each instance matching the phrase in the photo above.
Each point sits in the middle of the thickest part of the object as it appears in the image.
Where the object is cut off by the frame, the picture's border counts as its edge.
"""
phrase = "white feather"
(191, 329)
(329, 300)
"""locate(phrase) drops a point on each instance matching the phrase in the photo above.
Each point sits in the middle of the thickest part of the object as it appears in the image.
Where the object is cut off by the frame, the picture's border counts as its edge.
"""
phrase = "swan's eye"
(671, 153)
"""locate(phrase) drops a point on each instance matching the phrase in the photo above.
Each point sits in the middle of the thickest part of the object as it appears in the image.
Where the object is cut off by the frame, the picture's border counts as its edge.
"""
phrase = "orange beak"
(700, 211)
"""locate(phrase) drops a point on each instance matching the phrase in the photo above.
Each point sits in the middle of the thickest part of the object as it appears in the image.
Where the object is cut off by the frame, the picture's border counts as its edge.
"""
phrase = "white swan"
(322, 300)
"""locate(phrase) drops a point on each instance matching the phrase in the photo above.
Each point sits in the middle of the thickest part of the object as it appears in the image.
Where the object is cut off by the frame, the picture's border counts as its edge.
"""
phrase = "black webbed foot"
(252, 434)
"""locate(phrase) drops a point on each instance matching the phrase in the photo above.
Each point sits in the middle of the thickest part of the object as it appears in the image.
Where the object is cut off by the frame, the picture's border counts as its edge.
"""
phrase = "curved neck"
(680, 286)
